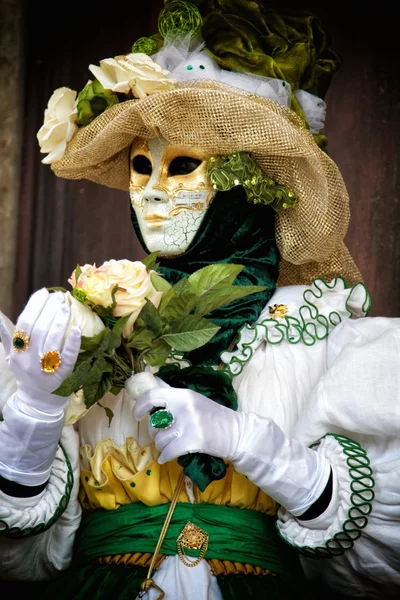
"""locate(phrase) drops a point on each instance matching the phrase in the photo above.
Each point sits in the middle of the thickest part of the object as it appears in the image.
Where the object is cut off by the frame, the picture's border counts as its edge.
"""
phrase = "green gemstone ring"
(161, 419)
(20, 341)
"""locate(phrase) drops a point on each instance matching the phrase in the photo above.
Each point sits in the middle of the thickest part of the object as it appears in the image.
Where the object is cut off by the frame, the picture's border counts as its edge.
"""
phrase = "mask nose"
(153, 196)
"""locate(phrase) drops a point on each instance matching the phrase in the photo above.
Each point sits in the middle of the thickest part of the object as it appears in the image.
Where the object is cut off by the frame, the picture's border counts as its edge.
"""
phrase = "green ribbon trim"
(308, 328)
(240, 535)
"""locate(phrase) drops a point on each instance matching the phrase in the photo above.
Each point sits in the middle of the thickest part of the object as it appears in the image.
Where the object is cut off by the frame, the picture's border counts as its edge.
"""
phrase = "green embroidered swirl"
(362, 493)
(239, 168)
(18, 532)
(308, 328)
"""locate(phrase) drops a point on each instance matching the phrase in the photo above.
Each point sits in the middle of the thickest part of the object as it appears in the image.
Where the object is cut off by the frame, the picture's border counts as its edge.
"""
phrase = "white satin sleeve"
(357, 403)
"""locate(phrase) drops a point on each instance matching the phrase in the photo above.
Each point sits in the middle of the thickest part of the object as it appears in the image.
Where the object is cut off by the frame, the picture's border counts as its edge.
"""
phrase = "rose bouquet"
(133, 321)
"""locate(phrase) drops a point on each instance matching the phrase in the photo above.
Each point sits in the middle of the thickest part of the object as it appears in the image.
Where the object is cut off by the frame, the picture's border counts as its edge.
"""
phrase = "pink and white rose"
(134, 288)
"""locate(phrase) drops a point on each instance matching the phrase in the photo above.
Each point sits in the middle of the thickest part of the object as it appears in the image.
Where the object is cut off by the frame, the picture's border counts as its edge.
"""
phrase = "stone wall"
(11, 114)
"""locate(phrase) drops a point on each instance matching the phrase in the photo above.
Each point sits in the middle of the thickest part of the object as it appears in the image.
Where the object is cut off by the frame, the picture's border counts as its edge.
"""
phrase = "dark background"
(62, 223)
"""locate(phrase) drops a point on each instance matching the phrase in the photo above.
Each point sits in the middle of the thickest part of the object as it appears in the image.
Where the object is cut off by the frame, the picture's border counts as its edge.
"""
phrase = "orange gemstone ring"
(50, 361)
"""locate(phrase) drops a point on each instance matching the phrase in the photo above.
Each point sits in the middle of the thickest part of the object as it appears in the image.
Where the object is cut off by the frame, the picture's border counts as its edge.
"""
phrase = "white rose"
(136, 72)
(60, 124)
(83, 317)
(76, 408)
(134, 285)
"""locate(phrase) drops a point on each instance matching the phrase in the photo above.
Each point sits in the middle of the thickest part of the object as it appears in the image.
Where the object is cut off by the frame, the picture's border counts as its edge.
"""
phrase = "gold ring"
(20, 340)
(50, 361)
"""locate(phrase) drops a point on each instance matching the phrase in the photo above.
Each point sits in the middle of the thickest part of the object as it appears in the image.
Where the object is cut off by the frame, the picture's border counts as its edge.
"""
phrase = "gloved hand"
(34, 416)
(295, 476)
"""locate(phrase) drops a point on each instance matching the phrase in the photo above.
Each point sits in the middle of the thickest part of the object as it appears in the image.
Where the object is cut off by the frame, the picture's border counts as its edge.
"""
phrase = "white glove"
(33, 416)
(295, 476)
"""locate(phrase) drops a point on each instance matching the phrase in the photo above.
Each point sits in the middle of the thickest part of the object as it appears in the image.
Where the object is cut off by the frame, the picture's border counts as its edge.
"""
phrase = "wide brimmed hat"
(222, 119)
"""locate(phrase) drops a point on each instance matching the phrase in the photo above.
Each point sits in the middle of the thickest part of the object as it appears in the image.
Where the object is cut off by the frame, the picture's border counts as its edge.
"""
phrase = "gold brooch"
(193, 538)
(278, 311)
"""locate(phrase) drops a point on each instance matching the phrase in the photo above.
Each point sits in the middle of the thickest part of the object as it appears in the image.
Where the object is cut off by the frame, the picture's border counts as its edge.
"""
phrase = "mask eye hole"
(183, 165)
(141, 165)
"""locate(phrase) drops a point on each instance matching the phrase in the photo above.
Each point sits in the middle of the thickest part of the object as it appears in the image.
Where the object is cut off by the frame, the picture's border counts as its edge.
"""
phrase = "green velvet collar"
(233, 231)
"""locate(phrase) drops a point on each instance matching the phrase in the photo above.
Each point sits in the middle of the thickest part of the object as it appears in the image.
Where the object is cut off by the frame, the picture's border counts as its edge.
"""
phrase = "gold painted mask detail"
(190, 191)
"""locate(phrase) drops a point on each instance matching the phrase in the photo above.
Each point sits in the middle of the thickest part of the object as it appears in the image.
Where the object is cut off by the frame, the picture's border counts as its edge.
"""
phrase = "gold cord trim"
(140, 559)
(217, 566)
(227, 567)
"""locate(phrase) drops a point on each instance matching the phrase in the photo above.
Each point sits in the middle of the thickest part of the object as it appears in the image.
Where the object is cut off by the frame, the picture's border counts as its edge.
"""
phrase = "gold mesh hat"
(222, 119)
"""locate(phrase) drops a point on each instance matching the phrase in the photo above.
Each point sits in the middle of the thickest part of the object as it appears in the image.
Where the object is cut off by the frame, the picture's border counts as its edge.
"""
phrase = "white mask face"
(170, 192)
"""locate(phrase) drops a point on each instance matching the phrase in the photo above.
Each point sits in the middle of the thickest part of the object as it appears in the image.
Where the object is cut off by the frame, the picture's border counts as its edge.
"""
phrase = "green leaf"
(190, 333)
(214, 277)
(109, 412)
(115, 337)
(78, 272)
(115, 390)
(114, 302)
(98, 381)
(215, 299)
(158, 354)
(180, 306)
(179, 289)
(160, 284)
(150, 261)
(75, 381)
(151, 318)
(91, 344)
(140, 340)
(95, 390)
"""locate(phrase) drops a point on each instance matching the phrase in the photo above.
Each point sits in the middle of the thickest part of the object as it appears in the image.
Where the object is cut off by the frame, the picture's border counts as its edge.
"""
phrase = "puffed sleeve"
(352, 417)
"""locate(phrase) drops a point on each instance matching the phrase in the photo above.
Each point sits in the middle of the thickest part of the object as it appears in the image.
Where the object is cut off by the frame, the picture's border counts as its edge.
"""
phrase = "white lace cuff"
(22, 517)
(355, 493)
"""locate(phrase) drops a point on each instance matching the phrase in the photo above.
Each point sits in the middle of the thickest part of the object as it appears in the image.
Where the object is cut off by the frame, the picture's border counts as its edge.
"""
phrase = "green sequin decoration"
(189, 67)
(179, 17)
(145, 45)
(132, 484)
(239, 168)
(148, 472)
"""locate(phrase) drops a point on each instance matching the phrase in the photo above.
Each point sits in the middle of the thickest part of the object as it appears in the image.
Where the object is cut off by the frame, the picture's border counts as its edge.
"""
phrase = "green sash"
(237, 535)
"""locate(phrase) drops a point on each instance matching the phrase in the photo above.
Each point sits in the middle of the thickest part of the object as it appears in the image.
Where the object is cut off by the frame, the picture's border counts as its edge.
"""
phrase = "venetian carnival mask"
(170, 192)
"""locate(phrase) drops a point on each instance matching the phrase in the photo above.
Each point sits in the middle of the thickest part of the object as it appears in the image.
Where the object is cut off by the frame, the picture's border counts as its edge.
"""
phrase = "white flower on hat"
(60, 124)
(136, 72)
